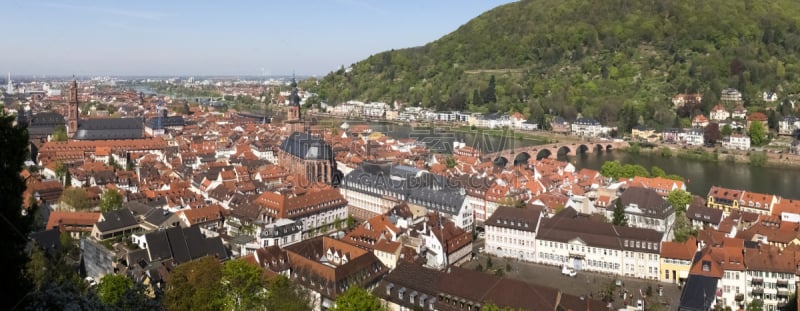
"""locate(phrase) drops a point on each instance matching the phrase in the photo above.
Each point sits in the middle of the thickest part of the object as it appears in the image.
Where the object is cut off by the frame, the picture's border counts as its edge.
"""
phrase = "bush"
(758, 158)
(666, 152)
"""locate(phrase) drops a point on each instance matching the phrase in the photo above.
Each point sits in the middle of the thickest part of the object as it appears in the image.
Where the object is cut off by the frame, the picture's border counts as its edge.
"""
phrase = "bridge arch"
(609, 147)
(544, 153)
(500, 161)
(563, 150)
(522, 158)
(583, 149)
(598, 148)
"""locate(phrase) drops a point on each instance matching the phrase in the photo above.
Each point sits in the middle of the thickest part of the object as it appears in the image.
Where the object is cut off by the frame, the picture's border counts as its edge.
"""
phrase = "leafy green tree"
(112, 287)
(59, 134)
(287, 296)
(357, 298)
(243, 286)
(679, 199)
(195, 285)
(110, 200)
(113, 163)
(656, 171)
(726, 130)
(351, 222)
(755, 305)
(77, 198)
(489, 95)
(758, 135)
(619, 218)
(451, 162)
(682, 228)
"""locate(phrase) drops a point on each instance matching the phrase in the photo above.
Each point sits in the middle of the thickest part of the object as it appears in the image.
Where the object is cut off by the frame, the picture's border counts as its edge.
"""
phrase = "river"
(699, 175)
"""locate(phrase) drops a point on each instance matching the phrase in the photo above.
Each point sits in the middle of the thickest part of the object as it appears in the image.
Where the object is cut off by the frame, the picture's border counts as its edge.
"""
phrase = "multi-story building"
(328, 267)
(567, 239)
(694, 137)
(281, 233)
(315, 208)
(446, 244)
(737, 142)
(771, 277)
(645, 208)
(511, 232)
(719, 113)
(587, 127)
(723, 198)
(731, 95)
(676, 260)
(788, 125)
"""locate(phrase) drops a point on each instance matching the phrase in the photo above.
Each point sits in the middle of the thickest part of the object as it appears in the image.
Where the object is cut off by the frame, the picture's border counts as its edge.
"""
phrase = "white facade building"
(511, 233)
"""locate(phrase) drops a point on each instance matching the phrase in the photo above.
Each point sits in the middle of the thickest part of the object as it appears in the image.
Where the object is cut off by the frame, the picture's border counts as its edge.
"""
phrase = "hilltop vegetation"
(617, 60)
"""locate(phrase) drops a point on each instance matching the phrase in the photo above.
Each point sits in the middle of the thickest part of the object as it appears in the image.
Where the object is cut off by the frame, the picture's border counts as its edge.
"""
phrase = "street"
(587, 284)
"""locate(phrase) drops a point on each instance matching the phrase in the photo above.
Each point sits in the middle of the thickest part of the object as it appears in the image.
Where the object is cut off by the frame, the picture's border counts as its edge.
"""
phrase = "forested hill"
(589, 57)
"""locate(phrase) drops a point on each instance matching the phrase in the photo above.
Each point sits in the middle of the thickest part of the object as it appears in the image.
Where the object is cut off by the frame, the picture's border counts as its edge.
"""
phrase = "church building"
(99, 128)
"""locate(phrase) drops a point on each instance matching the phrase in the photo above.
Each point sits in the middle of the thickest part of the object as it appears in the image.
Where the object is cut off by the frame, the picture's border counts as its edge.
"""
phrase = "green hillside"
(598, 58)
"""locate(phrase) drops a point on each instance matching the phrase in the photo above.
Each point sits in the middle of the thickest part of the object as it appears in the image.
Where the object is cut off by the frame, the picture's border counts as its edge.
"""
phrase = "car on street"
(568, 271)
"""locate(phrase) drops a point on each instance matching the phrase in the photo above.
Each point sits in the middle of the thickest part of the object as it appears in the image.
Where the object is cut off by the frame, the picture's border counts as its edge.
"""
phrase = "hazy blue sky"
(93, 37)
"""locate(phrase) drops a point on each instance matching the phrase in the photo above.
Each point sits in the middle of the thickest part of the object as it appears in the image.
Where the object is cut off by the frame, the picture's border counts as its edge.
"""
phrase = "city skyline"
(309, 38)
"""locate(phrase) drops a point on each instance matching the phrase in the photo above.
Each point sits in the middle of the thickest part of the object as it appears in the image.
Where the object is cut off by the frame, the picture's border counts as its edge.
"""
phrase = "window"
(666, 274)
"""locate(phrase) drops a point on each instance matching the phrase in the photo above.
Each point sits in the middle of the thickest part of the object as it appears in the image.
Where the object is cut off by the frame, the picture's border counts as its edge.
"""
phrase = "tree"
(113, 163)
(186, 110)
(451, 162)
(351, 222)
(195, 285)
(77, 198)
(243, 286)
(287, 296)
(683, 228)
(727, 130)
(679, 199)
(758, 135)
(111, 200)
(656, 171)
(489, 95)
(59, 134)
(755, 305)
(711, 133)
(67, 179)
(15, 226)
(112, 287)
(619, 214)
(772, 120)
(357, 298)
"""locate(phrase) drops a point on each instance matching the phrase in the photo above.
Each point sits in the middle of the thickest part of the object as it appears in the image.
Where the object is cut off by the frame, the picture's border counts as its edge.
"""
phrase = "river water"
(699, 175)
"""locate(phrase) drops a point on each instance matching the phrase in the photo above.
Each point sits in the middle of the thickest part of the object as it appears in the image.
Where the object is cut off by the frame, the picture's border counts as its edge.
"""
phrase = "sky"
(149, 37)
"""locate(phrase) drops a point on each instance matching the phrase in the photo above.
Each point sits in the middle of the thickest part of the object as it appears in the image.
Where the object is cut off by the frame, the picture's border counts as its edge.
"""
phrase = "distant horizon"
(310, 38)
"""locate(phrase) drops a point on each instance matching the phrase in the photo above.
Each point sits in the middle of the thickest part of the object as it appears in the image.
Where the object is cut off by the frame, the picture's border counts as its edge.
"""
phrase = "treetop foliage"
(594, 58)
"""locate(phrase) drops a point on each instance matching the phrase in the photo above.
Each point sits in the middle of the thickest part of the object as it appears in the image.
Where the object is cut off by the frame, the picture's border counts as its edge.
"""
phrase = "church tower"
(72, 109)
(293, 115)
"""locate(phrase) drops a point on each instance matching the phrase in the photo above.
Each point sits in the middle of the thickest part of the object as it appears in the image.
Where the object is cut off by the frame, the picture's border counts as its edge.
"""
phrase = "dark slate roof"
(307, 147)
(49, 119)
(586, 121)
(183, 245)
(648, 200)
(117, 219)
(109, 128)
(48, 240)
(281, 229)
(523, 219)
(566, 226)
(698, 294)
(444, 201)
(165, 122)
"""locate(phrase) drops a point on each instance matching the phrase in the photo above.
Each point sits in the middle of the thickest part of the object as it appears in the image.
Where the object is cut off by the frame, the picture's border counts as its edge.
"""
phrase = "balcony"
(757, 281)
(739, 297)
(783, 283)
(758, 291)
(783, 292)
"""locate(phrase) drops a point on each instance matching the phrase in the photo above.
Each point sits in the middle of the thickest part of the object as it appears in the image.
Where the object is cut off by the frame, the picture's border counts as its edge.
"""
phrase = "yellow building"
(723, 198)
(676, 260)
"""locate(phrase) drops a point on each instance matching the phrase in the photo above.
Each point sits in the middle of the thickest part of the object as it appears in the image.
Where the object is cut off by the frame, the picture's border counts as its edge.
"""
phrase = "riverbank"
(716, 155)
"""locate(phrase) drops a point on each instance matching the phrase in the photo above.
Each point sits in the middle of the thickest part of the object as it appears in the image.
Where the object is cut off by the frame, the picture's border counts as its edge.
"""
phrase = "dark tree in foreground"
(14, 227)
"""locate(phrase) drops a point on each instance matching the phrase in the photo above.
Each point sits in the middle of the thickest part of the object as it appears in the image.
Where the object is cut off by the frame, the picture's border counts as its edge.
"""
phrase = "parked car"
(568, 271)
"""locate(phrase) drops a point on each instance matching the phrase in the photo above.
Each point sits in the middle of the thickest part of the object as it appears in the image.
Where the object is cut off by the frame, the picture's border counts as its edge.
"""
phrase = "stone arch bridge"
(546, 151)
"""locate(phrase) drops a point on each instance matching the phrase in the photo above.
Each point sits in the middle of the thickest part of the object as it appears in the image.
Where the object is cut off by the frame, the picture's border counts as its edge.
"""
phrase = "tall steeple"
(10, 86)
(293, 115)
(72, 109)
